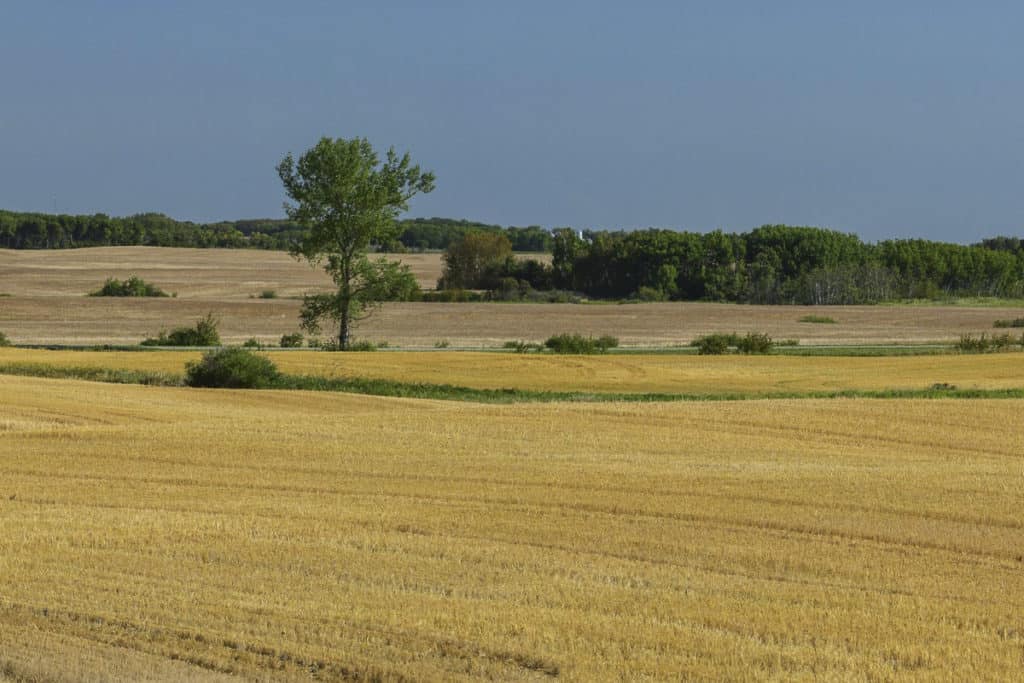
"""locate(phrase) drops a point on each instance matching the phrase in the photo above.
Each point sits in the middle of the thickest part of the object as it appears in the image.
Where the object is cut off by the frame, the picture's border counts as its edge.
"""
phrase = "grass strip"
(92, 374)
(450, 392)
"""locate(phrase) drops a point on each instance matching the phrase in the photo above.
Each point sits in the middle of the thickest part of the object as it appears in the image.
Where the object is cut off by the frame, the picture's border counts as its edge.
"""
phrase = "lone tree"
(348, 200)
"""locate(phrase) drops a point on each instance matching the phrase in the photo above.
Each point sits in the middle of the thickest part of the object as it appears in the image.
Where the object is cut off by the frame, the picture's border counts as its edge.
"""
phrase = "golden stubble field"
(632, 373)
(180, 534)
(47, 306)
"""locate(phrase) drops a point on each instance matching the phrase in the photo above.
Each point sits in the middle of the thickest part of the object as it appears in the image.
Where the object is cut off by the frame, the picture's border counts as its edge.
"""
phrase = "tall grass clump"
(204, 333)
(984, 344)
(4, 341)
(133, 286)
(578, 344)
(232, 368)
(1016, 322)
(820, 319)
(520, 346)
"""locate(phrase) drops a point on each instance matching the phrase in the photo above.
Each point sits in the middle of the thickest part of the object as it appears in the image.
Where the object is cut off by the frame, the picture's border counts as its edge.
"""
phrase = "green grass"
(817, 319)
(449, 392)
(91, 374)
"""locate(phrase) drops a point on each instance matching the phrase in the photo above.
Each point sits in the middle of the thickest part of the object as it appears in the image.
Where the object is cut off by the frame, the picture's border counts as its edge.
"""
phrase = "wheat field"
(630, 373)
(173, 534)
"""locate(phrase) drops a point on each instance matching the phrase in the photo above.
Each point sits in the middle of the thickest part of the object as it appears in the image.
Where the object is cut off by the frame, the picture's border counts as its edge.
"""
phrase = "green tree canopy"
(347, 199)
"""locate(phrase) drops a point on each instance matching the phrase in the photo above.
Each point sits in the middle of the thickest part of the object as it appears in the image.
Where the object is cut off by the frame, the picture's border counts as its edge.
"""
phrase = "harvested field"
(176, 533)
(47, 306)
(67, 320)
(211, 274)
(633, 373)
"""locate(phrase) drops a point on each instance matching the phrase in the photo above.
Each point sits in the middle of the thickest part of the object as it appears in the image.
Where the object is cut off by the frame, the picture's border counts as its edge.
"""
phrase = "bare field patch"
(633, 373)
(282, 534)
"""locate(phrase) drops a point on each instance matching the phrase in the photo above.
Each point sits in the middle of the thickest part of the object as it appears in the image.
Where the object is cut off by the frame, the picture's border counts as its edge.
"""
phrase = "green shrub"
(452, 296)
(203, 334)
(521, 346)
(578, 344)
(818, 319)
(4, 341)
(983, 344)
(1016, 322)
(133, 286)
(754, 342)
(252, 343)
(292, 341)
(552, 296)
(441, 344)
(719, 343)
(231, 368)
(363, 346)
(268, 294)
(651, 294)
(714, 344)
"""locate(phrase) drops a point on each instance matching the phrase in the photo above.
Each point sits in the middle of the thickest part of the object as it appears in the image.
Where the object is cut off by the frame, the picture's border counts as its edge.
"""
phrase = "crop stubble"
(274, 533)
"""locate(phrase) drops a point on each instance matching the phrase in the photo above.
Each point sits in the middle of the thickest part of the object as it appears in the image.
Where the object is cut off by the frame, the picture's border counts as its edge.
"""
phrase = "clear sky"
(888, 119)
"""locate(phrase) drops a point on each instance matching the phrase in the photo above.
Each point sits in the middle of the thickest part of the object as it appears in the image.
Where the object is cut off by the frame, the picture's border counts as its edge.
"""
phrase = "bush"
(651, 294)
(1016, 322)
(452, 296)
(268, 294)
(577, 343)
(4, 341)
(754, 342)
(363, 346)
(719, 343)
(232, 368)
(133, 286)
(252, 343)
(441, 344)
(552, 296)
(521, 346)
(203, 334)
(984, 344)
(291, 341)
(817, 319)
(714, 344)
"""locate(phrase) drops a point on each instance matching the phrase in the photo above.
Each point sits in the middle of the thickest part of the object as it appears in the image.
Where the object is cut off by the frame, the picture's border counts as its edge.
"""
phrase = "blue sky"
(888, 119)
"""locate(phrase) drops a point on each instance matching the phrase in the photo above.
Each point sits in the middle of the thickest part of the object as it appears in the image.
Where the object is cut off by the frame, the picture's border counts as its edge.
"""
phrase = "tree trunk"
(343, 329)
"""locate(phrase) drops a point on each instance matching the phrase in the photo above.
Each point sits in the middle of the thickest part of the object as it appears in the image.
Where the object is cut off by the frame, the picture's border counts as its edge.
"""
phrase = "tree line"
(773, 264)
(55, 231)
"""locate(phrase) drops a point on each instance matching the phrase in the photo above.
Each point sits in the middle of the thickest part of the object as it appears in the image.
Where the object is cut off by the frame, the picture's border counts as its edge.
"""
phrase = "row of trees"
(48, 231)
(781, 264)
(769, 265)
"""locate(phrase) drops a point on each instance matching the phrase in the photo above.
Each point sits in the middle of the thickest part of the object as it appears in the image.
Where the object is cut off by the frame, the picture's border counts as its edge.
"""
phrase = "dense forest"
(781, 264)
(771, 264)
